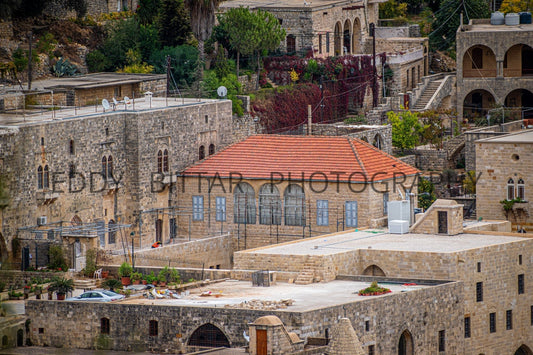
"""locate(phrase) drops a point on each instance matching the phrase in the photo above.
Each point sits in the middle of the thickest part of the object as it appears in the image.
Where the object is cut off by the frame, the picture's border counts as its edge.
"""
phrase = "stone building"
(273, 188)
(84, 173)
(494, 65)
(504, 165)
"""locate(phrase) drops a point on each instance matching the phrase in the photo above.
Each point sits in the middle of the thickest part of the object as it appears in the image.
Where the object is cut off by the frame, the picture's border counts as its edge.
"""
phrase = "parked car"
(97, 296)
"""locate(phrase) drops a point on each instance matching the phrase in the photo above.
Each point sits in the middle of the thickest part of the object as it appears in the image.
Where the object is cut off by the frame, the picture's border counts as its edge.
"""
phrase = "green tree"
(267, 35)
(173, 23)
(447, 20)
(184, 61)
(406, 129)
(237, 26)
(426, 193)
(431, 132)
(202, 14)
(147, 11)
(392, 9)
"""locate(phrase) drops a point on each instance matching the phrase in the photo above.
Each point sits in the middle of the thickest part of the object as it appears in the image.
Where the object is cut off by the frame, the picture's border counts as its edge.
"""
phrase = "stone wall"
(20, 278)
(388, 316)
(12, 331)
(215, 252)
(427, 159)
(132, 139)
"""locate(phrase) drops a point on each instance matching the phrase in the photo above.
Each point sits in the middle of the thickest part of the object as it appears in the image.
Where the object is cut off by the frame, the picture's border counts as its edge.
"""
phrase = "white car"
(97, 296)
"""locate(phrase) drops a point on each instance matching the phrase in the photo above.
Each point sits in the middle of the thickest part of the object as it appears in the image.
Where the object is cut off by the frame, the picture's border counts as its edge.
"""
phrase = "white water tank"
(497, 18)
(512, 19)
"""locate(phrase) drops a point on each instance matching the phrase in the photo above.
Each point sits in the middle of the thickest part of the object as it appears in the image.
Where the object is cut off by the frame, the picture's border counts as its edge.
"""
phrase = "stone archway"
(477, 103)
(208, 335)
(356, 37)
(520, 102)
(374, 270)
(378, 141)
(523, 350)
(4, 254)
(405, 344)
(479, 62)
(346, 38)
(337, 39)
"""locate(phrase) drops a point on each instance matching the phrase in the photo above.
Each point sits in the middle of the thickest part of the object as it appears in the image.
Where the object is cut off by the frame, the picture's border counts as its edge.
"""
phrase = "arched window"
(110, 167)
(294, 205)
(159, 161)
(269, 205)
(112, 232)
(201, 152)
(104, 167)
(244, 203)
(377, 141)
(40, 177)
(104, 326)
(211, 149)
(46, 179)
(165, 161)
(510, 189)
(291, 44)
(521, 190)
(71, 147)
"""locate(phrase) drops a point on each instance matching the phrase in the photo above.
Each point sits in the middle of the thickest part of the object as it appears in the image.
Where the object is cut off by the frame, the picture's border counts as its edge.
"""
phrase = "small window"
(442, 340)
(477, 58)
(520, 284)
(159, 161)
(467, 327)
(206, 119)
(509, 319)
(220, 209)
(531, 315)
(107, 131)
(104, 326)
(40, 177)
(166, 167)
(71, 147)
(201, 152)
(153, 328)
(42, 141)
(197, 208)
(41, 330)
(211, 149)
(46, 179)
(291, 44)
(479, 292)
(371, 350)
(71, 170)
(479, 266)
(351, 214)
(521, 190)
(112, 235)
(322, 213)
(320, 44)
(327, 42)
(510, 189)
(104, 167)
(492, 322)
(110, 167)
(520, 259)
(385, 202)
(367, 325)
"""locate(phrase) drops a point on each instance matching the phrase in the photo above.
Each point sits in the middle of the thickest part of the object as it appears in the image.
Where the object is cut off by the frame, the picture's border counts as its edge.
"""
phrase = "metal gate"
(261, 278)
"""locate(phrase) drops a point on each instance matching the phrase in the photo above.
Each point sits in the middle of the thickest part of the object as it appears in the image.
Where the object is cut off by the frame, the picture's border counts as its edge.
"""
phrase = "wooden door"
(261, 341)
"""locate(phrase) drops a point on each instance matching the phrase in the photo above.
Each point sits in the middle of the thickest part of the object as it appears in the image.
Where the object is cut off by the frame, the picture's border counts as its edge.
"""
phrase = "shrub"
(112, 284)
(125, 270)
(90, 262)
(61, 285)
(57, 258)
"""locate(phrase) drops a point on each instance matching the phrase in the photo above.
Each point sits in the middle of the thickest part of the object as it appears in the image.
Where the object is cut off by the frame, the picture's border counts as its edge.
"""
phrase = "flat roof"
(519, 137)
(487, 28)
(233, 294)
(382, 240)
(89, 81)
(281, 4)
(40, 116)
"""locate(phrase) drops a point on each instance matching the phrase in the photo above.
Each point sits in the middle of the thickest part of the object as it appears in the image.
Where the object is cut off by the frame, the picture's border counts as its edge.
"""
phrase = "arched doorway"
(520, 101)
(346, 38)
(518, 61)
(356, 37)
(3, 250)
(477, 103)
(378, 141)
(373, 270)
(209, 336)
(291, 44)
(159, 230)
(337, 45)
(405, 344)
(20, 337)
(523, 350)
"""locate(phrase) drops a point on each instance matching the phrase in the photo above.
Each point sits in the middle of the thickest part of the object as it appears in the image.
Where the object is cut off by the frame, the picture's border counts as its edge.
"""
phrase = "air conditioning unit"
(41, 221)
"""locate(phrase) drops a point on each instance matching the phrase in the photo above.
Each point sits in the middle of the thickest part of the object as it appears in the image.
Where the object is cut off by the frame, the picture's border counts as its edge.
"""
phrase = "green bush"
(90, 263)
(97, 62)
(184, 62)
(125, 270)
(57, 258)
(112, 284)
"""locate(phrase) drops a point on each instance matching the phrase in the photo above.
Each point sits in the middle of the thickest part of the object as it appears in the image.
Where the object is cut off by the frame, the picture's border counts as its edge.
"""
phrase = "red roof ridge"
(357, 158)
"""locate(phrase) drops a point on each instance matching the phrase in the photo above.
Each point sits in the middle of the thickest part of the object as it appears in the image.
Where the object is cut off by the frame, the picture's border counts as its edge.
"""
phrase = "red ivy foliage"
(345, 82)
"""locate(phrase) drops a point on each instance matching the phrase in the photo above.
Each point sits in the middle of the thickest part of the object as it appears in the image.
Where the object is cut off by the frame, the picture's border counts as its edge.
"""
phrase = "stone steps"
(85, 284)
(427, 95)
(307, 275)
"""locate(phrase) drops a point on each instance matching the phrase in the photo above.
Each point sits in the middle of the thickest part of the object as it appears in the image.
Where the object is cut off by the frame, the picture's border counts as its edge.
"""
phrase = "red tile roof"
(316, 157)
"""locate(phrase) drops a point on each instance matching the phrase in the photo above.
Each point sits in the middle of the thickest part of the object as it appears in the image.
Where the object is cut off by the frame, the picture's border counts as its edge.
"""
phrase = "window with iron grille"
(509, 319)
(520, 284)
(492, 322)
(294, 205)
(197, 208)
(467, 327)
(220, 209)
(351, 214)
(153, 328)
(104, 326)
(269, 205)
(442, 340)
(244, 204)
(479, 292)
(322, 213)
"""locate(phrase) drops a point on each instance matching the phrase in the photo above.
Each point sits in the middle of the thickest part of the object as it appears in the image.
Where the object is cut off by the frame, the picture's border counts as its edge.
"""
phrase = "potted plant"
(105, 274)
(27, 291)
(38, 292)
(151, 278)
(136, 278)
(112, 284)
(374, 290)
(14, 295)
(124, 271)
(61, 285)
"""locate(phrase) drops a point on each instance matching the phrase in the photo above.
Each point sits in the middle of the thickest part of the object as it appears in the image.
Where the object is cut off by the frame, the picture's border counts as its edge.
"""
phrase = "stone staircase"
(308, 274)
(454, 145)
(427, 95)
(85, 284)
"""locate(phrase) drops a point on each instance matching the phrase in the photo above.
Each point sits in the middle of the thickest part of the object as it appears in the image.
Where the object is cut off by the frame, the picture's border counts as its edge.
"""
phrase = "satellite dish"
(222, 91)
(105, 104)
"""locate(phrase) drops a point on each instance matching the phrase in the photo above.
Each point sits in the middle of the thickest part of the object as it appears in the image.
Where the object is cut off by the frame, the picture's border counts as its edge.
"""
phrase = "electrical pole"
(30, 36)
(168, 75)
(372, 27)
